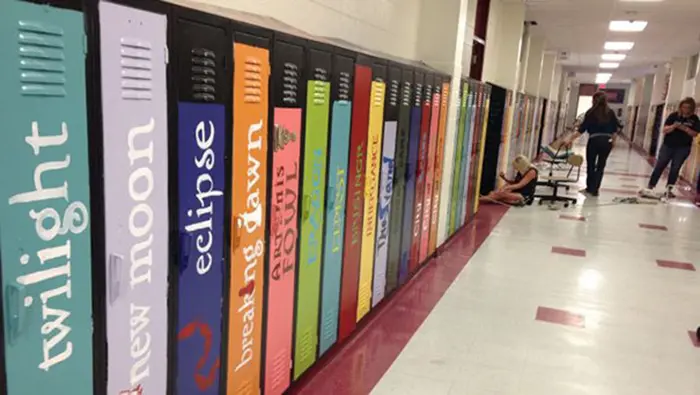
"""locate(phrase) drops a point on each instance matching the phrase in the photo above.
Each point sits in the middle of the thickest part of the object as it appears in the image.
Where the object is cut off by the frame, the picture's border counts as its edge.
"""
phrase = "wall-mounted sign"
(615, 96)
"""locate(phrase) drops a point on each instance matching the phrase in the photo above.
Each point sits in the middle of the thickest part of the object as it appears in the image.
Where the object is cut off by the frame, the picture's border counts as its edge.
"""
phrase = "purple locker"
(133, 58)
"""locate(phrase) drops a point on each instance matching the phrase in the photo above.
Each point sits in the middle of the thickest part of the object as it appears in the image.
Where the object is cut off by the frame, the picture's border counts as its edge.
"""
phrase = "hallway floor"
(597, 299)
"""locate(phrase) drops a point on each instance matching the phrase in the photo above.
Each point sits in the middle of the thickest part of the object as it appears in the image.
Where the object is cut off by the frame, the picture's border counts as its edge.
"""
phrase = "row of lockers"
(196, 205)
(526, 119)
(516, 125)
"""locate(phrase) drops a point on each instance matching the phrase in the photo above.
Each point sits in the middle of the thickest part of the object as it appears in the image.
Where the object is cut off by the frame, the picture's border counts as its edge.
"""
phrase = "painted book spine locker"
(207, 206)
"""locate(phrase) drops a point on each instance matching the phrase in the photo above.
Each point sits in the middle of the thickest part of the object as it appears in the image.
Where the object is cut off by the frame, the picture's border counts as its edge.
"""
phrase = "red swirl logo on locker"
(203, 381)
(138, 390)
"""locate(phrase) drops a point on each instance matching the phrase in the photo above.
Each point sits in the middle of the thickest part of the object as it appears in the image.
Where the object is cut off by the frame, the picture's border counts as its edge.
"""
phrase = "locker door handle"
(306, 211)
(16, 304)
(330, 199)
(237, 232)
(115, 277)
(186, 248)
(275, 224)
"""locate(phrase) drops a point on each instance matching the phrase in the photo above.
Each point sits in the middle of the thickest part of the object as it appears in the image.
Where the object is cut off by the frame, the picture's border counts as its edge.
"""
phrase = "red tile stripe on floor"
(568, 251)
(694, 338)
(625, 174)
(619, 191)
(675, 265)
(561, 317)
(355, 367)
(573, 217)
(653, 227)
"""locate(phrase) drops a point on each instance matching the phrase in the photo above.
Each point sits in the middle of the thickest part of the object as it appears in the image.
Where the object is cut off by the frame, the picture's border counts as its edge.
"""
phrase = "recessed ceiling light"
(618, 45)
(628, 26)
(605, 65)
(613, 57)
(602, 78)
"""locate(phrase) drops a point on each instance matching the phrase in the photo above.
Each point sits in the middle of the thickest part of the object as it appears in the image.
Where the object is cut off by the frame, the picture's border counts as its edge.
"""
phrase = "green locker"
(315, 151)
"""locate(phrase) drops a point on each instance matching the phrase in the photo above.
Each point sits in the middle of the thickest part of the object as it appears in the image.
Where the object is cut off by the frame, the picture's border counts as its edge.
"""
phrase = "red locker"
(420, 173)
(355, 198)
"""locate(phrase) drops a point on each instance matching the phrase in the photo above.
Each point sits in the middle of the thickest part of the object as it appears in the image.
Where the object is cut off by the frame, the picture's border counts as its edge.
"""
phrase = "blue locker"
(202, 84)
(466, 158)
(343, 69)
(411, 164)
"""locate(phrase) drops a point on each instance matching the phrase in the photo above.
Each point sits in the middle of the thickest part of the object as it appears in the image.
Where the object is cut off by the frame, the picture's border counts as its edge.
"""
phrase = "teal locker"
(44, 219)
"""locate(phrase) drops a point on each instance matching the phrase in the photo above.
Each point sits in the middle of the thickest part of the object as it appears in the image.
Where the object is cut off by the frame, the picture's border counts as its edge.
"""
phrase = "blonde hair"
(522, 164)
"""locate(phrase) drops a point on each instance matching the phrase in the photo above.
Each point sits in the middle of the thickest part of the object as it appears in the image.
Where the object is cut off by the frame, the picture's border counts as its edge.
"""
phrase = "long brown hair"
(687, 101)
(600, 109)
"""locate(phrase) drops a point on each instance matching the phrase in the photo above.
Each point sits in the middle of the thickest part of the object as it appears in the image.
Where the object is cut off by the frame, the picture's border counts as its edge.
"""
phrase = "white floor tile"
(482, 337)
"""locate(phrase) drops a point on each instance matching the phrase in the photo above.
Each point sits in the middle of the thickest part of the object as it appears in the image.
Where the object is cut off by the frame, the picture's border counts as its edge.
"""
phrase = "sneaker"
(670, 194)
(647, 193)
(586, 192)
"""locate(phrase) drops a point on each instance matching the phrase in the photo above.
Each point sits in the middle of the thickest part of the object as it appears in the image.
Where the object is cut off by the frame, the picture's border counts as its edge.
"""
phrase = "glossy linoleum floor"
(596, 299)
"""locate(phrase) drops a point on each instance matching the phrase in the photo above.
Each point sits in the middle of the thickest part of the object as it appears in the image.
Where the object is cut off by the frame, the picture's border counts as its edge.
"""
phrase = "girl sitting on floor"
(518, 192)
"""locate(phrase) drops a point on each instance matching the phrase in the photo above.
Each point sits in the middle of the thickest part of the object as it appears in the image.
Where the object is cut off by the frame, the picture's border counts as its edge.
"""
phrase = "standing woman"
(602, 125)
(679, 130)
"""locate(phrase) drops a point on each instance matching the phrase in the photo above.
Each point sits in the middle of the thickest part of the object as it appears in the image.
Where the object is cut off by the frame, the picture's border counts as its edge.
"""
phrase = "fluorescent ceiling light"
(618, 45)
(641, 1)
(602, 78)
(613, 57)
(606, 65)
(628, 26)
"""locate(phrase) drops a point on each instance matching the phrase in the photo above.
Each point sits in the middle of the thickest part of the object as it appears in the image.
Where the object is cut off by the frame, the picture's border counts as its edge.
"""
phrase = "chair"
(561, 181)
(557, 153)
(557, 160)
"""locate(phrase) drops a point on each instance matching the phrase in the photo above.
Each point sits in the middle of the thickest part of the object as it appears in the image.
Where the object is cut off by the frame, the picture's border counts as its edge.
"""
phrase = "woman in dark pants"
(601, 124)
(679, 130)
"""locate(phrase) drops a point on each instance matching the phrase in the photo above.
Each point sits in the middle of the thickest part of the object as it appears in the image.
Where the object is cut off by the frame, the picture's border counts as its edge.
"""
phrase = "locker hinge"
(167, 55)
(85, 44)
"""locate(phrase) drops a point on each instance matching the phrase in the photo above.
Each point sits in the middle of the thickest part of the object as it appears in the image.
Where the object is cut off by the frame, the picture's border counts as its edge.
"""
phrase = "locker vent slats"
(379, 96)
(394, 93)
(320, 77)
(280, 368)
(428, 94)
(245, 388)
(406, 99)
(203, 69)
(417, 97)
(136, 65)
(328, 325)
(253, 80)
(344, 86)
(290, 84)
(42, 68)
(306, 345)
